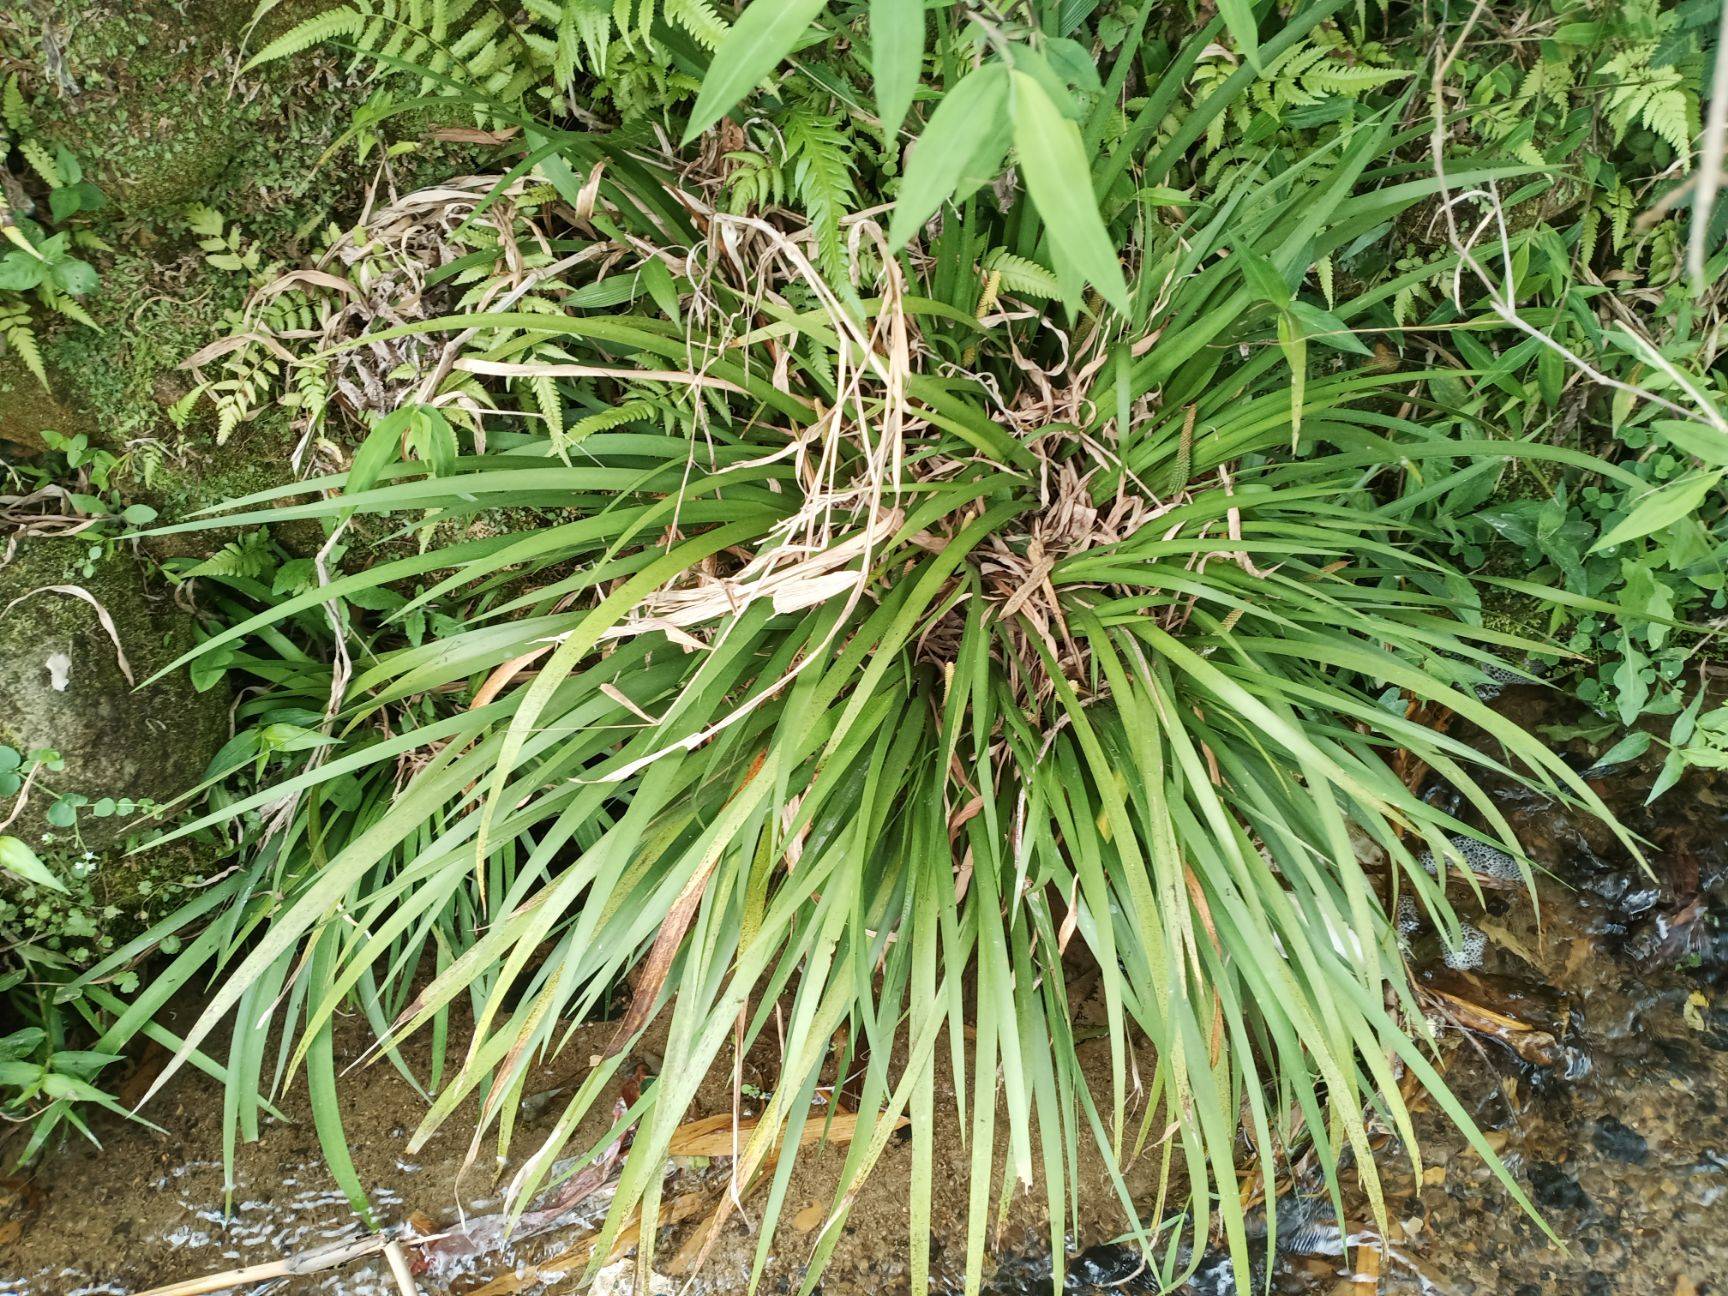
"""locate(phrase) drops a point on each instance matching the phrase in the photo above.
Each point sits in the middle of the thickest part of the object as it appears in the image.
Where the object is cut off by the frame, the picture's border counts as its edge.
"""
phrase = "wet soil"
(1618, 1128)
(1596, 1058)
(148, 1207)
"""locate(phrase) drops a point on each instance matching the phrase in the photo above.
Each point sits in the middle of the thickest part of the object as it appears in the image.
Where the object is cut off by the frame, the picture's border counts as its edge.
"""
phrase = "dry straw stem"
(851, 485)
(320, 1260)
(400, 1269)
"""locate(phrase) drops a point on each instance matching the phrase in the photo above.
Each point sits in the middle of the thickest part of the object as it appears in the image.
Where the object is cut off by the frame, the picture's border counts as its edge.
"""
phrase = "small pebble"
(1620, 1141)
(1553, 1188)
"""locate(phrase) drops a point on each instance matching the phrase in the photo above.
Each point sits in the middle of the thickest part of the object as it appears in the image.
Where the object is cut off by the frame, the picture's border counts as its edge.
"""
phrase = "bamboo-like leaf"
(896, 57)
(1059, 179)
(765, 33)
(967, 135)
(1239, 18)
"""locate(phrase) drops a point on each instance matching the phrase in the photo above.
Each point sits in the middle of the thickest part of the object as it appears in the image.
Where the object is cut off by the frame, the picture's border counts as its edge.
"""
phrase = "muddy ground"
(148, 1207)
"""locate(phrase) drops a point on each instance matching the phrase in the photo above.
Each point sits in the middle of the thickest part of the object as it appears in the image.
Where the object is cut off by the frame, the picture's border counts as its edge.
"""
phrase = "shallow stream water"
(1598, 1067)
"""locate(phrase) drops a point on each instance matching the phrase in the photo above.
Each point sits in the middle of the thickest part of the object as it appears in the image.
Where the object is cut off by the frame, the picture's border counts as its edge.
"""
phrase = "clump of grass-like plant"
(816, 654)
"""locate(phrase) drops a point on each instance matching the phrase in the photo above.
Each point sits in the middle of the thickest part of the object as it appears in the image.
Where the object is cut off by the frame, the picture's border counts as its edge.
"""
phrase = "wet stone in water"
(1108, 1268)
(1638, 900)
(1716, 1029)
(1216, 1277)
(1620, 1142)
(1554, 1189)
(1409, 916)
(1472, 945)
(1479, 857)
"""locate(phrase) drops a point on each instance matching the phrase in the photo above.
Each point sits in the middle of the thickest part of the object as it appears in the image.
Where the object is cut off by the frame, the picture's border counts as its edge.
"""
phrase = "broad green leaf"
(1324, 327)
(1687, 721)
(20, 271)
(1630, 747)
(1034, 63)
(1074, 63)
(1059, 178)
(765, 33)
(1706, 443)
(657, 279)
(381, 448)
(18, 859)
(1663, 507)
(896, 57)
(970, 121)
(1673, 766)
(1632, 689)
(1262, 278)
(433, 439)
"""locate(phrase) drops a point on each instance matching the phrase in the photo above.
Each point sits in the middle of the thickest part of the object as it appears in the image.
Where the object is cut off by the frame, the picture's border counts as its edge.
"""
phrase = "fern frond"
(551, 406)
(61, 304)
(1667, 114)
(247, 558)
(1527, 152)
(1335, 78)
(1403, 304)
(1619, 203)
(700, 18)
(323, 27)
(1309, 72)
(21, 337)
(629, 412)
(1589, 231)
(14, 113)
(820, 155)
(41, 161)
(1022, 275)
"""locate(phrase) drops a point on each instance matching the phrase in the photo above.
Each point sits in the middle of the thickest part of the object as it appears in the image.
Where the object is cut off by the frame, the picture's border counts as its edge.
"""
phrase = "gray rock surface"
(63, 686)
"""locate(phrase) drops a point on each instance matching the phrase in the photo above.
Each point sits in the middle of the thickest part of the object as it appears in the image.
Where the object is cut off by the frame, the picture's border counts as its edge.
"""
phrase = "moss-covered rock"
(150, 100)
(147, 98)
(115, 748)
(28, 409)
(63, 688)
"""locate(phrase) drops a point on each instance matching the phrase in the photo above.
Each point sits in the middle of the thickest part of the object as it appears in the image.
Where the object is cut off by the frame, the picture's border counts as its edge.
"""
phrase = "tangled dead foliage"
(328, 332)
(748, 274)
